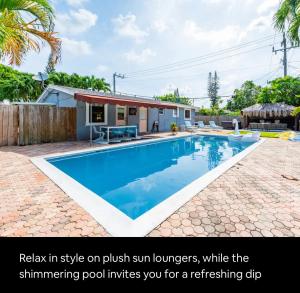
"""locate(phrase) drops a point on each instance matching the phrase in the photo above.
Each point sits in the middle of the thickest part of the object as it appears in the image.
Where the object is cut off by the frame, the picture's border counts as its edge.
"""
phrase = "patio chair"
(189, 127)
(213, 125)
(100, 139)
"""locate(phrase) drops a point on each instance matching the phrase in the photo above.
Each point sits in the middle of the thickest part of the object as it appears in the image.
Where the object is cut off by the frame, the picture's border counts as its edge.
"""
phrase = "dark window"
(161, 111)
(98, 114)
(132, 111)
(187, 114)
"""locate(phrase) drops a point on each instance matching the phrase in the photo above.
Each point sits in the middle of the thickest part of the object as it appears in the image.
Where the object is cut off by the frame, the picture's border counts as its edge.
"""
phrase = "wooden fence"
(218, 119)
(36, 124)
(9, 117)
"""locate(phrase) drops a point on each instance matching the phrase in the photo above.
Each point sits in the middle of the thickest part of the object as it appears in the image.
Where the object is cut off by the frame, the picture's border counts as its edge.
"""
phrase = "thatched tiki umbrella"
(267, 111)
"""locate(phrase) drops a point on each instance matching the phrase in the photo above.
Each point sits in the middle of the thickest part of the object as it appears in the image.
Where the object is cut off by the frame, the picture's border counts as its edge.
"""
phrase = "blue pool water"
(135, 179)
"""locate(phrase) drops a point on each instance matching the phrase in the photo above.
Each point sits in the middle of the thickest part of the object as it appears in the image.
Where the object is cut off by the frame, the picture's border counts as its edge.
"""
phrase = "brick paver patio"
(260, 196)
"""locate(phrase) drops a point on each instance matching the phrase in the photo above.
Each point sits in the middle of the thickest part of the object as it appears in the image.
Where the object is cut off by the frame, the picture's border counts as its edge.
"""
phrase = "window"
(121, 113)
(98, 114)
(176, 113)
(187, 114)
(132, 111)
(161, 111)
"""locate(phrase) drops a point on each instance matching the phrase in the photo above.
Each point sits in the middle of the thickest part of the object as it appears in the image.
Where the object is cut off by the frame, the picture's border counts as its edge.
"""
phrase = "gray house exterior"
(142, 117)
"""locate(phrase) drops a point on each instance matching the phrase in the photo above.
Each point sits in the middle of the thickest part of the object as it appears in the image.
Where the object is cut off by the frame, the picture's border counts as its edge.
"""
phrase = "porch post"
(91, 127)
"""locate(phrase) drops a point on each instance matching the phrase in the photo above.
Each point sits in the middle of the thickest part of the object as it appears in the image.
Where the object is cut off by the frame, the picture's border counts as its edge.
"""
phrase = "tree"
(174, 99)
(213, 88)
(289, 14)
(77, 81)
(281, 90)
(24, 25)
(244, 97)
(17, 86)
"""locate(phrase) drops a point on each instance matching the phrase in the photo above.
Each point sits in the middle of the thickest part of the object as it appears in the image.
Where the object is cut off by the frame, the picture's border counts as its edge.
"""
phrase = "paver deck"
(260, 196)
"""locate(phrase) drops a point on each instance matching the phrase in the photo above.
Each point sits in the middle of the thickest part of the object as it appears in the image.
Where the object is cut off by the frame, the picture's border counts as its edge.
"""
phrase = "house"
(117, 110)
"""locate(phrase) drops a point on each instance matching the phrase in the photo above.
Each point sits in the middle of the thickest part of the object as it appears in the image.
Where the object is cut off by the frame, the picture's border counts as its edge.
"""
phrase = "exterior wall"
(111, 119)
(133, 120)
(83, 131)
(167, 119)
(61, 100)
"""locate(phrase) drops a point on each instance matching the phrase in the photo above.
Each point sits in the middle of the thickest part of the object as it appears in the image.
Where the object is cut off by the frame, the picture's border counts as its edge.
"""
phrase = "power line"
(192, 60)
(193, 76)
(203, 63)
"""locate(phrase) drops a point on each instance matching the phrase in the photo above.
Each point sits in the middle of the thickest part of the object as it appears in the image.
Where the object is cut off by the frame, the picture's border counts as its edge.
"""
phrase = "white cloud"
(142, 57)
(225, 35)
(102, 68)
(75, 22)
(261, 23)
(125, 26)
(160, 26)
(267, 5)
(76, 3)
(76, 48)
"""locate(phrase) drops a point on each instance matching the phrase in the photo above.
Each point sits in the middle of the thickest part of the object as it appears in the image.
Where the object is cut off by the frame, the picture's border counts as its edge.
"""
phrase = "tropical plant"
(289, 15)
(174, 128)
(296, 112)
(244, 97)
(77, 81)
(24, 25)
(213, 88)
(175, 99)
(17, 86)
(281, 90)
(216, 111)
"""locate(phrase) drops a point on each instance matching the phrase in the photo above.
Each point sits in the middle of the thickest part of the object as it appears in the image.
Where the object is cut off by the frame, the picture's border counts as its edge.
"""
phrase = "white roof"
(72, 91)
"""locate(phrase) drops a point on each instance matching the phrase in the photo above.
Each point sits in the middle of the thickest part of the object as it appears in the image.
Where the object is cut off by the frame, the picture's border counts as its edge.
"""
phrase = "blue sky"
(127, 36)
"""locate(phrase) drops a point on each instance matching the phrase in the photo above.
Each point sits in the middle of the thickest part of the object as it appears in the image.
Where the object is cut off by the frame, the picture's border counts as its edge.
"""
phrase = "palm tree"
(289, 14)
(24, 25)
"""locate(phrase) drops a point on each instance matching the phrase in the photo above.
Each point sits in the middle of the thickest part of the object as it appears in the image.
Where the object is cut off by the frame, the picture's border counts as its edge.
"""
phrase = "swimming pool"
(135, 180)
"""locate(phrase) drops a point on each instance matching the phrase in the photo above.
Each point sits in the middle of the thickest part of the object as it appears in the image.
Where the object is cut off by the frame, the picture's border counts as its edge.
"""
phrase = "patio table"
(118, 129)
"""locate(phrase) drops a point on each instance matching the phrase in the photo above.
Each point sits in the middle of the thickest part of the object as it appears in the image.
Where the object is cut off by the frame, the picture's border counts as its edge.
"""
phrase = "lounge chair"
(189, 127)
(201, 124)
(213, 125)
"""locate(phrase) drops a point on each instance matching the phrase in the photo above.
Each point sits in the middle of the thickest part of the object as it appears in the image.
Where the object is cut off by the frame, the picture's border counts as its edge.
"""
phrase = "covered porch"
(112, 119)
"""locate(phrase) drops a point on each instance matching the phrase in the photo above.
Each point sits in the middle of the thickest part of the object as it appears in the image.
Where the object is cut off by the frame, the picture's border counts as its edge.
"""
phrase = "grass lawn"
(265, 134)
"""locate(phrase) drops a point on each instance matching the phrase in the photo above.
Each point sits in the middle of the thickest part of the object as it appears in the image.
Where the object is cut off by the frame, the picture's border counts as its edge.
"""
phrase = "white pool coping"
(113, 220)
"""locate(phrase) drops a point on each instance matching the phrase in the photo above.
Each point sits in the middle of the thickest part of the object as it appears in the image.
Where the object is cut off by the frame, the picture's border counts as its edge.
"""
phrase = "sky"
(161, 45)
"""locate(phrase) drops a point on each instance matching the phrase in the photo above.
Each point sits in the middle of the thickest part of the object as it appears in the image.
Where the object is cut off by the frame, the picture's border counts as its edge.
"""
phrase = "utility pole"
(284, 49)
(115, 76)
